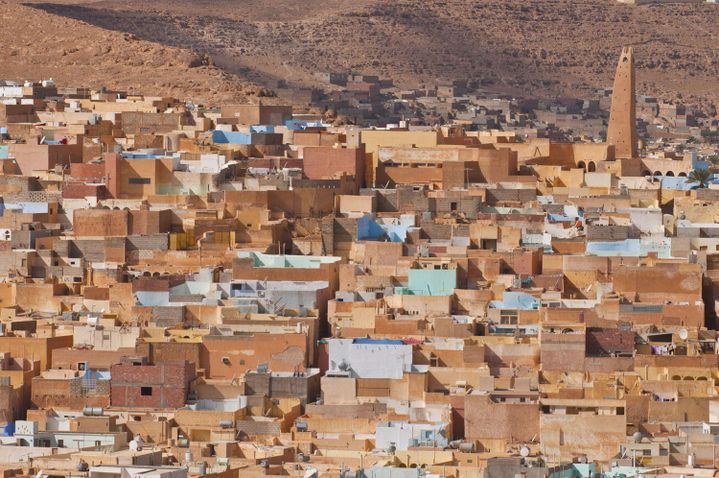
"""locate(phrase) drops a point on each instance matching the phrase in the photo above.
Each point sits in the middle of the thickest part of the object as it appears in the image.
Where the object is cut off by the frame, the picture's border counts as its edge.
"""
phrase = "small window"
(61, 444)
(139, 181)
(146, 391)
(98, 443)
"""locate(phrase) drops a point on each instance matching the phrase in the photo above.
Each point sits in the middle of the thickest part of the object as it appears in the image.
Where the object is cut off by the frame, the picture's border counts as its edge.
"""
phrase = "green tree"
(701, 176)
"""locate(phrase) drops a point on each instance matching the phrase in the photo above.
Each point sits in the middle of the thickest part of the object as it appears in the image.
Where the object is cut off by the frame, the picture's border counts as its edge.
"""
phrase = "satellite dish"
(683, 334)
(524, 451)
(637, 437)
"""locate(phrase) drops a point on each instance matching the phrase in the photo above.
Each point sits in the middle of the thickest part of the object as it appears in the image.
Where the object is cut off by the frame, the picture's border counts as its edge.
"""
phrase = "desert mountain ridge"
(239, 49)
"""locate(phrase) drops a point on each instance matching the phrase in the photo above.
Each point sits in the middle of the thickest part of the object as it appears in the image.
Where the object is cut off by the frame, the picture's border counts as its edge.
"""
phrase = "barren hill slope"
(533, 47)
(39, 45)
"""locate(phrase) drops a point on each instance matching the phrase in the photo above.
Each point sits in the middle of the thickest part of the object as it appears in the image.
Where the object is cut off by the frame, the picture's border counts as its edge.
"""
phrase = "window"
(509, 317)
(139, 181)
(98, 443)
(61, 444)
(146, 391)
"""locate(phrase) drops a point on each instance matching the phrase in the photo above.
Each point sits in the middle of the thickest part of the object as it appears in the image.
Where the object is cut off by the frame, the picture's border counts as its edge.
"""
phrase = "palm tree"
(701, 176)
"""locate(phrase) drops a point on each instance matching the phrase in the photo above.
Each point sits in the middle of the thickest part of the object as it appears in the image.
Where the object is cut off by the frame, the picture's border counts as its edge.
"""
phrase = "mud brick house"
(135, 383)
(323, 162)
(71, 389)
(44, 157)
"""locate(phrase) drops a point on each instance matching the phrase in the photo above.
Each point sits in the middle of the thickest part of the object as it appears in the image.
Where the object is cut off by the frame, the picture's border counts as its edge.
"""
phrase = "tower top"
(622, 131)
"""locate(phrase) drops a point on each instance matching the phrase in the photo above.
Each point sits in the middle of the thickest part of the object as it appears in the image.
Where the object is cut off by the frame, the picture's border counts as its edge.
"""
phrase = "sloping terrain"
(533, 48)
(39, 45)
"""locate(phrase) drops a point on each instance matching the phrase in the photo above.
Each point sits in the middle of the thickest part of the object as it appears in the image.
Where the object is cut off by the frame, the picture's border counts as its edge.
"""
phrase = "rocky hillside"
(40, 45)
(534, 47)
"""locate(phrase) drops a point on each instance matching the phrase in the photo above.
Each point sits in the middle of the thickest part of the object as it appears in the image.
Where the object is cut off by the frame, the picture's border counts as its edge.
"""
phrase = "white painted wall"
(370, 360)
